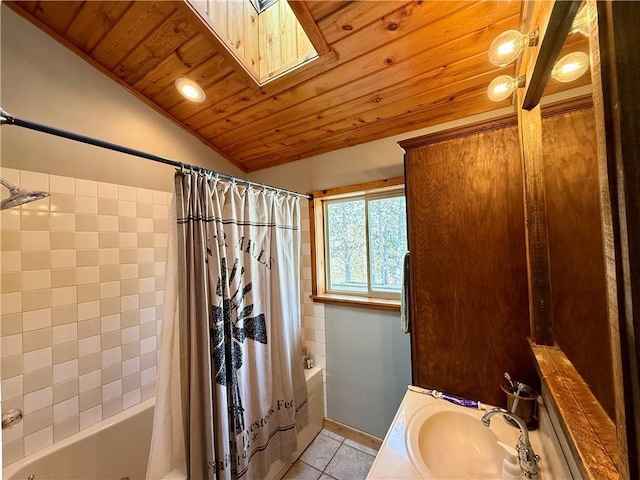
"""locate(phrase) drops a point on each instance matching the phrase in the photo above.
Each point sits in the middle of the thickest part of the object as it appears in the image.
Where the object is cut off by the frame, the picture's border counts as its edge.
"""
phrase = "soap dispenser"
(510, 467)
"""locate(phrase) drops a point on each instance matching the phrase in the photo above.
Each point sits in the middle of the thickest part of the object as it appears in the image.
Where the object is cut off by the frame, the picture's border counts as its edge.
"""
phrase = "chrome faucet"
(527, 458)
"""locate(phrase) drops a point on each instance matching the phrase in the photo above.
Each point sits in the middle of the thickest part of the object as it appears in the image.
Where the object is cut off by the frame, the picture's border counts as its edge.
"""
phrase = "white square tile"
(65, 371)
(90, 417)
(160, 212)
(146, 255)
(64, 296)
(111, 390)
(36, 280)
(159, 198)
(107, 223)
(147, 314)
(111, 357)
(12, 387)
(11, 345)
(37, 400)
(160, 240)
(131, 366)
(86, 275)
(127, 193)
(128, 271)
(65, 333)
(129, 302)
(88, 310)
(37, 359)
(147, 345)
(36, 319)
(144, 196)
(145, 225)
(35, 240)
(65, 409)
(318, 310)
(108, 190)
(86, 205)
(131, 398)
(130, 334)
(89, 345)
(127, 209)
(90, 380)
(58, 184)
(63, 222)
(86, 188)
(87, 239)
(11, 435)
(34, 180)
(109, 290)
(63, 258)
(148, 375)
(110, 323)
(11, 219)
(10, 261)
(109, 256)
(38, 440)
(128, 240)
(146, 285)
(11, 303)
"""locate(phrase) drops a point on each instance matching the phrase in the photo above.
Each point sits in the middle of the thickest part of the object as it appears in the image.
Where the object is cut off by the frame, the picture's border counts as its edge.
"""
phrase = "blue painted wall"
(368, 367)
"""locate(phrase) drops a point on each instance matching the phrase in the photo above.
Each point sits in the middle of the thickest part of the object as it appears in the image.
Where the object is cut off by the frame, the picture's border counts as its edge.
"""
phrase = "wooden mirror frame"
(601, 448)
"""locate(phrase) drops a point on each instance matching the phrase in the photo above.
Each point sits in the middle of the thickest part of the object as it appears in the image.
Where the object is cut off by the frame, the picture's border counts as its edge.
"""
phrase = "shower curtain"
(231, 390)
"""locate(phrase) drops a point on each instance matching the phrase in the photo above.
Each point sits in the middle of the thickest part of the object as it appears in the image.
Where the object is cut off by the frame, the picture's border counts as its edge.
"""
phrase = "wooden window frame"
(317, 235)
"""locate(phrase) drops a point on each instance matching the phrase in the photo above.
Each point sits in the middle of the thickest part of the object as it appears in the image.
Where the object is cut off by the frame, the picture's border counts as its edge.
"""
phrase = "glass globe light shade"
(570, 67)
(501, 88)
(581, 22)
(506, 47)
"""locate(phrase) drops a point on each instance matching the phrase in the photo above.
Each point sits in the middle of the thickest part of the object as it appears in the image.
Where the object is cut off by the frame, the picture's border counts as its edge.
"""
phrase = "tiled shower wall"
(313, 326)
(81, 301)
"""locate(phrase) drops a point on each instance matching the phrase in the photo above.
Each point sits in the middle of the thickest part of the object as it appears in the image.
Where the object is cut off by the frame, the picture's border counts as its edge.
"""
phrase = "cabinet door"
(469, 300)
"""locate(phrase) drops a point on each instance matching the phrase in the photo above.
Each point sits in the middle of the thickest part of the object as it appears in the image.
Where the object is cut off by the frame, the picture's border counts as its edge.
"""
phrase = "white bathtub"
(118, 447)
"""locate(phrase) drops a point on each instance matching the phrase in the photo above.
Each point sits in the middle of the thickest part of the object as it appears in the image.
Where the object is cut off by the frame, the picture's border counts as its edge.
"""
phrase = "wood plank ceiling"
(393, 67)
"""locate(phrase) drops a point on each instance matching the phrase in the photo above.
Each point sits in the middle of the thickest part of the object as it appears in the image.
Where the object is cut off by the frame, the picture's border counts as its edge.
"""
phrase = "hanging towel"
(404, 300)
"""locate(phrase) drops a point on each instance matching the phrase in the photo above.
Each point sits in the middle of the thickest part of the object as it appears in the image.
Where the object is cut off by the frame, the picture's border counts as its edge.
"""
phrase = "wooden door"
(469, 301)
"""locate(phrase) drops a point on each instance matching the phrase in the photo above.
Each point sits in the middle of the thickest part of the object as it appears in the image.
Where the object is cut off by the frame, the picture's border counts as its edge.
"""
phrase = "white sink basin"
(452, 444)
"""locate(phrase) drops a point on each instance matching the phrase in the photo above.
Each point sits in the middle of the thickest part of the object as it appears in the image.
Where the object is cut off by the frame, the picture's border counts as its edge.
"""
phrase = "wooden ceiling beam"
(308, 24)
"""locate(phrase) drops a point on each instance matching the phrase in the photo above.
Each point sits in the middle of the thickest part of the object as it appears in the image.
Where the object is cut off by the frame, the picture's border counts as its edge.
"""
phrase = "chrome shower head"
(18, 196)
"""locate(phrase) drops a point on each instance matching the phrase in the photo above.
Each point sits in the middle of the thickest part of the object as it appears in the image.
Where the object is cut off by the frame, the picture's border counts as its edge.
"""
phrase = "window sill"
(357, 301)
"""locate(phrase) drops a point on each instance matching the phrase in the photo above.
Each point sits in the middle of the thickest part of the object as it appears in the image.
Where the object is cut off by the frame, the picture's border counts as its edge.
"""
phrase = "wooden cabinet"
(468, 271)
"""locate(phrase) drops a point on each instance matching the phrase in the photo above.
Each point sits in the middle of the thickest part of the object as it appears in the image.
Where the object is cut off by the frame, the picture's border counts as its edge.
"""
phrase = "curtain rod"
(8, 119)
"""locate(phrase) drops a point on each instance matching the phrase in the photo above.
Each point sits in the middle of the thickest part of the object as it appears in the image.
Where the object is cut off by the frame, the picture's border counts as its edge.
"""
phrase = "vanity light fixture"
(190, 90)
(570, 67)
(503, 86)
(508, 46)
(581, 22)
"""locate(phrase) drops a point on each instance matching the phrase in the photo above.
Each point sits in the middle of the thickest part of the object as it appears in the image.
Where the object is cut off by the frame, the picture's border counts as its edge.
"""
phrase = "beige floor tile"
(302, 471)
(349, 464)
(320, 452)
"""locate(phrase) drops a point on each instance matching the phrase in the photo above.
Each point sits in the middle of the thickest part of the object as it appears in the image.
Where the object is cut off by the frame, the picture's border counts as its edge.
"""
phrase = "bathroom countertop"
(394, 463)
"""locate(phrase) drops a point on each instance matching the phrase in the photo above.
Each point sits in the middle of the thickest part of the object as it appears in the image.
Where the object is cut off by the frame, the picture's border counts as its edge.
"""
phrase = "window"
(360, 238)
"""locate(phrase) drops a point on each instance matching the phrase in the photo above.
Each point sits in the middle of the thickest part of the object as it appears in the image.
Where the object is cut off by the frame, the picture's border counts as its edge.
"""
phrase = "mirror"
(575, 312)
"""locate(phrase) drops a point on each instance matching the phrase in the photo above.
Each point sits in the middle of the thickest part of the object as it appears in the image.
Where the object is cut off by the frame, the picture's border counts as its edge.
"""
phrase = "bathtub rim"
(96, 428)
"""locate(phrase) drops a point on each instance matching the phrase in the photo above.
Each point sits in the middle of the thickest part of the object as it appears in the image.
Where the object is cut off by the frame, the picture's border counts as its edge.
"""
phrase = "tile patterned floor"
(332, 457)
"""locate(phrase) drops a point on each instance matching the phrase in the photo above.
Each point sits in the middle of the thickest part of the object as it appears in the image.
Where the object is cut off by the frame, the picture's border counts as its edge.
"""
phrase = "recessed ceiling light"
(190, 90)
